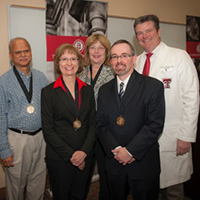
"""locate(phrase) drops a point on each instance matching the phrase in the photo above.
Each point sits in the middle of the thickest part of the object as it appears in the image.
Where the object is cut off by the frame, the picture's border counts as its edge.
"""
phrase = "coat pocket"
(168, 138)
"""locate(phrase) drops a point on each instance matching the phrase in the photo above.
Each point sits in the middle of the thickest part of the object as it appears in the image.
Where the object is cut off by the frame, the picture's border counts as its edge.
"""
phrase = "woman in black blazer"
(68, 120)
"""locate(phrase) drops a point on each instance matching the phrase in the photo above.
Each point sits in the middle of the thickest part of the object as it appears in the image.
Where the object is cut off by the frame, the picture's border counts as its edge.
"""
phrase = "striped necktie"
(121, 91)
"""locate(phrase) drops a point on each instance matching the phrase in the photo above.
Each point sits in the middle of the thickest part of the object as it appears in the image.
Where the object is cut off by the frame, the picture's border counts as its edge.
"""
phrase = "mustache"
(23, 57)
(120, 63)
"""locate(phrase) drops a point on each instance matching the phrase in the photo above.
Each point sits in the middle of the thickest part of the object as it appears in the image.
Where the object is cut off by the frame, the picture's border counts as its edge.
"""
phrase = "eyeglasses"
(122, 57)
(65, 60)
(100, 48)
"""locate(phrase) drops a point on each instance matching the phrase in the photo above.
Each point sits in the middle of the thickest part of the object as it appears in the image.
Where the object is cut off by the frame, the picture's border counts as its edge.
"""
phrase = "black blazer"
(143, 109)
(58, 115)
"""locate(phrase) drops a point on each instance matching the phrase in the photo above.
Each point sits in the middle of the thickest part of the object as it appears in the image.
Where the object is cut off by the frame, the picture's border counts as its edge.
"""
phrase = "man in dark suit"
(129, 126)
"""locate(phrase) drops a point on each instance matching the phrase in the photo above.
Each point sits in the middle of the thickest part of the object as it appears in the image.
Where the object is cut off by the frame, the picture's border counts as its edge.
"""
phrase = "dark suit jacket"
(58, 115)
(143, 109)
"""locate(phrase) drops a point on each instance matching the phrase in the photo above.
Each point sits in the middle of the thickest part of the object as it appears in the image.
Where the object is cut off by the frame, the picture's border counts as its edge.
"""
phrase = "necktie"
(121, 90)
(147, 64)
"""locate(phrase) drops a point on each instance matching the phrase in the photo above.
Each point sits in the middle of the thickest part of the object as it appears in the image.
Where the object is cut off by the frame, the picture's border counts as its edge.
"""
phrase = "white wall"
(30, 24)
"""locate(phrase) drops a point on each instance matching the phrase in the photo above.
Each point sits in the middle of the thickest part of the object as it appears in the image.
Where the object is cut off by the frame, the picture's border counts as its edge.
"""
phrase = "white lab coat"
(175, 69)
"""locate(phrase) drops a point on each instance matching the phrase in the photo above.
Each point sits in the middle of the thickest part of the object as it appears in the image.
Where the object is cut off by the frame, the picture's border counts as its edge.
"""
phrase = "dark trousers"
(121, 185)
(67, 181)
(100, 155)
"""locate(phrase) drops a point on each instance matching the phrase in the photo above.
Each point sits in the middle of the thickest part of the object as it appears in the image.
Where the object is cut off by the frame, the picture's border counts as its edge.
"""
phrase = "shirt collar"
(155, 51)
(125, 81)
(22, 73)
(59, 83)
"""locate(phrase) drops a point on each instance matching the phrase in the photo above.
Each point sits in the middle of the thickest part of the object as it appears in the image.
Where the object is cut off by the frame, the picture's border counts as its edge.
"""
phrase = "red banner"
(54, 41)
(193, 48)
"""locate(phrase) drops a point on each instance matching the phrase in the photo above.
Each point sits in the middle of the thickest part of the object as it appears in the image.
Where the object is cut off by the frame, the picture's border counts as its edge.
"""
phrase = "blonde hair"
(104, 42)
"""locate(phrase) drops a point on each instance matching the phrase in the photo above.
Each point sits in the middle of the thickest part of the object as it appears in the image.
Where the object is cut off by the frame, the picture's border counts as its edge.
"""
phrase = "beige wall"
(173, 11)
(167, 10)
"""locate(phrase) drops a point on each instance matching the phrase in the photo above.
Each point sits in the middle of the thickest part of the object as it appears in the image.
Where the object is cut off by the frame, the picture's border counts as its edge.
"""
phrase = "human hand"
(8, 162)
(182, 147)
(131, 160)
(78, 157)
(122, 156)
(116, 150)
(82, 165)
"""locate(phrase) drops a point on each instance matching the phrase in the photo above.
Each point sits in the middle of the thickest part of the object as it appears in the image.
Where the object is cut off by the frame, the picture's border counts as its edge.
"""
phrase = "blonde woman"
(96, 73)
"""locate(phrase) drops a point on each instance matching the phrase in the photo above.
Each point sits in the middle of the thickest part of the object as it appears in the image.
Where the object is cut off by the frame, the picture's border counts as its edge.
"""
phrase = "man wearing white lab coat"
(176, 70)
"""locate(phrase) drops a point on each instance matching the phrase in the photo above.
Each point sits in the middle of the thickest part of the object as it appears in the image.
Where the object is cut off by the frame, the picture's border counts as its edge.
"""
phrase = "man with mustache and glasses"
(130, 118)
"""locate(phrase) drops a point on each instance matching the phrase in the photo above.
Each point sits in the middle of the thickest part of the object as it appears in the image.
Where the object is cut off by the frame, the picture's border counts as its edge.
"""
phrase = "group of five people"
(139, 128)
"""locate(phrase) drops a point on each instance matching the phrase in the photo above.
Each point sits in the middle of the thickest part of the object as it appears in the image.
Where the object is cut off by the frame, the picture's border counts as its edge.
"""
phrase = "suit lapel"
(114, 92)
(101, 75)
(66, 100)
(131, 89)
(83, 96)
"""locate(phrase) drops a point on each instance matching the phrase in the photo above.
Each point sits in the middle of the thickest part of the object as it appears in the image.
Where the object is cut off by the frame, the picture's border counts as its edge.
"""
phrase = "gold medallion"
(77, 124)
(30, 109)
(120, 121)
